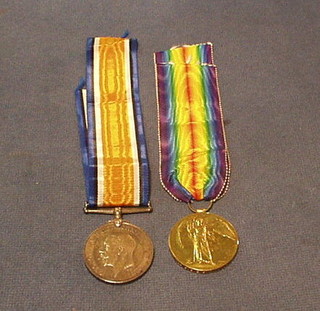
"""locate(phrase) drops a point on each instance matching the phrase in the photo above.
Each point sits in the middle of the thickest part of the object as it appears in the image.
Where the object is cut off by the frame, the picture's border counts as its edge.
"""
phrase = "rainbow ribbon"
(194, 161)
(110, 123)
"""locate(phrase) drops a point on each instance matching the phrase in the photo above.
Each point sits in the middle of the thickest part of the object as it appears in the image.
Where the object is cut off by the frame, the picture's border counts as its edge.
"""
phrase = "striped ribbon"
(111, 131)
(194, 162)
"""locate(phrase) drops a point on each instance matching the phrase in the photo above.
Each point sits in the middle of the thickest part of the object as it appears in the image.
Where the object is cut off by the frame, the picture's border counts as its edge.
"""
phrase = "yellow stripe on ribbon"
(117, 155)
(190, 115)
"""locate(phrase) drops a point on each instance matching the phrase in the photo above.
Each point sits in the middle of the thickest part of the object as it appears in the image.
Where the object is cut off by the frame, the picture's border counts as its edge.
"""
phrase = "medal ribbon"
(194, 161)
(111, 131)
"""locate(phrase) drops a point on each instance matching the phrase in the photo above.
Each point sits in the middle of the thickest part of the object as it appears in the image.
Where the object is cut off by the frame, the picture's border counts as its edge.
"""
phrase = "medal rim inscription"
(183, 262)
(148, 252)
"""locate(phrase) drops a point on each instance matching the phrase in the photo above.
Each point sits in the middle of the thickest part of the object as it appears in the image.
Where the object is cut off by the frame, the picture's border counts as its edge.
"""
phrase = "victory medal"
(194, 159)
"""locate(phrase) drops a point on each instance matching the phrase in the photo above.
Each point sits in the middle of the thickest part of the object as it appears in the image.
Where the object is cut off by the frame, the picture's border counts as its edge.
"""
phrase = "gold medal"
(194, 157)
(203, 242)
(118, 252)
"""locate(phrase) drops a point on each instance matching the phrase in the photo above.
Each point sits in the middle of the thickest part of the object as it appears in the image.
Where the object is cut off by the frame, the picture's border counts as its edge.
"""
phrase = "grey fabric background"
(267, 53)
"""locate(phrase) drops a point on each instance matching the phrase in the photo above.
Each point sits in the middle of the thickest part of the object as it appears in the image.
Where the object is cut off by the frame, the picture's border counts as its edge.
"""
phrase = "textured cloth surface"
(267, 54)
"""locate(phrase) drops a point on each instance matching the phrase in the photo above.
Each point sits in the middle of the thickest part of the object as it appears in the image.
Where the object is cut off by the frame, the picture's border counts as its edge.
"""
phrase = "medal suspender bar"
(114, 157)
(194, 159)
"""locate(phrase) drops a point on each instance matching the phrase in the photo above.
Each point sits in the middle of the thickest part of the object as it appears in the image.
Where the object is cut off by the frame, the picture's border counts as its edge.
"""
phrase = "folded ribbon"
(111, 131)
(194, 158)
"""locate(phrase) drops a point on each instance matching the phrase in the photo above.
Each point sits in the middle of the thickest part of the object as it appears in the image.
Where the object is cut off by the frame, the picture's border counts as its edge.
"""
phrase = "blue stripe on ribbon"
(82, 131)
(211, 123)
(92, 152)
(141, 141)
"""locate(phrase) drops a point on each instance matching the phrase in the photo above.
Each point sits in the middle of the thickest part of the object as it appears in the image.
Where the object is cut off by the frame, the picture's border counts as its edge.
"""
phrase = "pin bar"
(111, 210)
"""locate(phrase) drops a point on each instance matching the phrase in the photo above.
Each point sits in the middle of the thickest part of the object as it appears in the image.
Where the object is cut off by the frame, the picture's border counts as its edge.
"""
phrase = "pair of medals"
(194, 160)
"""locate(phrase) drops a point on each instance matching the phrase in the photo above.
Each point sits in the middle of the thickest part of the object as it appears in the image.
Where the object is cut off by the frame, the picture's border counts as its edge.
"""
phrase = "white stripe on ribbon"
(98, 123)
(84, 103)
